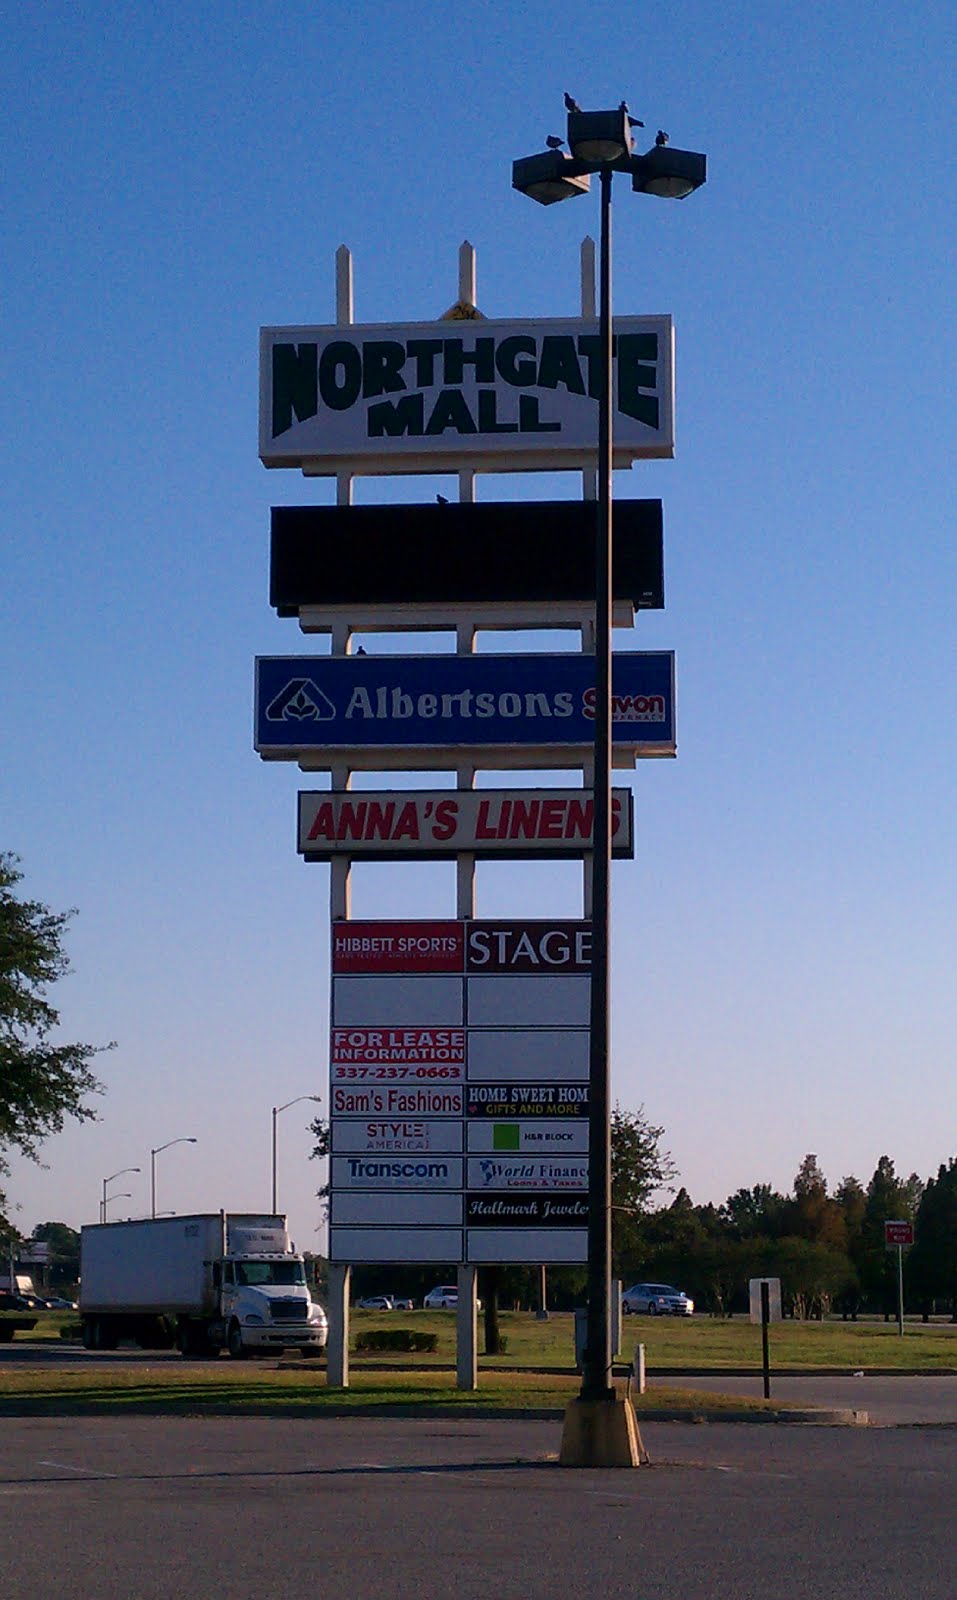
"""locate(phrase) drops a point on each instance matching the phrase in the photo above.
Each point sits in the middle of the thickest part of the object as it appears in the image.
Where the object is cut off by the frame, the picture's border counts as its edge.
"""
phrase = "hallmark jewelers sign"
(494, 396)
(459, 1091)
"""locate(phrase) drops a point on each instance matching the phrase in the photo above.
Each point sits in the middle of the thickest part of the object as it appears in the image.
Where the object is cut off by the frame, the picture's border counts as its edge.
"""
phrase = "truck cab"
(266, 1305)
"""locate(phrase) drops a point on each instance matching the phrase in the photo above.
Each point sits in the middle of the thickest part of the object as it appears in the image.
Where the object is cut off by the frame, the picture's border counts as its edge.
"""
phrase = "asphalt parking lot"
(150, 1507)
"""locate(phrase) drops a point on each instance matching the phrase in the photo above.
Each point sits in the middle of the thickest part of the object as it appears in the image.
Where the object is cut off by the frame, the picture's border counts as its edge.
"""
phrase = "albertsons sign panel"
(526, 708)
(492, 395)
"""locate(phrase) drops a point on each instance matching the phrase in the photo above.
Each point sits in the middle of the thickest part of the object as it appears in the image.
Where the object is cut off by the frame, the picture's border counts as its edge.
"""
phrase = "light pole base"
(601, 1433)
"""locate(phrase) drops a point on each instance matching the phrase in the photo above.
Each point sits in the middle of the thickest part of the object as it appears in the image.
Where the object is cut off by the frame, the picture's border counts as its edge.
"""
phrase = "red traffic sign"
(898, 1233)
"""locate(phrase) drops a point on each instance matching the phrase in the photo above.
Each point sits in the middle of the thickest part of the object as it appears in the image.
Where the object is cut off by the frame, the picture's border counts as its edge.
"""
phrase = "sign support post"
(899, 1236)
(765, 1350)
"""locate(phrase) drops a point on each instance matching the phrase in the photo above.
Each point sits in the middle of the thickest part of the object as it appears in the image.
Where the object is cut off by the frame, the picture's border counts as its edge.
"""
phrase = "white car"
(444, 1297)
(657, 1299)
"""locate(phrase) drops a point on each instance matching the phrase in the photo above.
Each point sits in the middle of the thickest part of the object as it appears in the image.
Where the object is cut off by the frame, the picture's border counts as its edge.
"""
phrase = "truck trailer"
(220, 1280)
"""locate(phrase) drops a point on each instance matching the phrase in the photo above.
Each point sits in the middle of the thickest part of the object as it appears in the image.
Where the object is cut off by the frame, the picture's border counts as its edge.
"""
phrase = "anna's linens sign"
(439, 822)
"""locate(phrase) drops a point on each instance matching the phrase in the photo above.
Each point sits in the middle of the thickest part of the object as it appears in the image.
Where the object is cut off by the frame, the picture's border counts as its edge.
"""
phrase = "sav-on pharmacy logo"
(301, 701)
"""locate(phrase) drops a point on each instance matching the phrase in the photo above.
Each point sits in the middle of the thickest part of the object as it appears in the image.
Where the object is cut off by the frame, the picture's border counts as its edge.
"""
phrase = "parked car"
(402, 1302)
(55, 1303)
(444, 1297)
(375, 1302)
(13, 1302)
(657, 1299)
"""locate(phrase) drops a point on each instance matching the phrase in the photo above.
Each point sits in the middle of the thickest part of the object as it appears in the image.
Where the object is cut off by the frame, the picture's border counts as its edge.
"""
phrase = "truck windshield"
(253, 1273)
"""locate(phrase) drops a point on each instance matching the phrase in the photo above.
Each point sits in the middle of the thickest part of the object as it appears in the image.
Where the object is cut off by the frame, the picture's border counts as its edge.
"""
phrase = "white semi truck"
(204, 1283)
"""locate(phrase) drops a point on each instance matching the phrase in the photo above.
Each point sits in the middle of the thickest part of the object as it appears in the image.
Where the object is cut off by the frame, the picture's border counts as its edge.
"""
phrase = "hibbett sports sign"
(503, 396)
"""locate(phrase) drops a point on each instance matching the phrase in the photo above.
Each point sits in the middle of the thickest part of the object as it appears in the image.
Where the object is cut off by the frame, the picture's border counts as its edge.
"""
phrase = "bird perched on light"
(553, 142)
(661, 137)
(570, 104)
(633, 122)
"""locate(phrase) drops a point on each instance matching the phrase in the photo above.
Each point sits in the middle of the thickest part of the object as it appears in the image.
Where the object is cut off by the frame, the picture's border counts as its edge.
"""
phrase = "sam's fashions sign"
(504, 396)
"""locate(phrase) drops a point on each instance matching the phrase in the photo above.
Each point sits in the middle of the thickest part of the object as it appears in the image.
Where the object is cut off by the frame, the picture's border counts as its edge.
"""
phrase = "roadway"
(416, 1508)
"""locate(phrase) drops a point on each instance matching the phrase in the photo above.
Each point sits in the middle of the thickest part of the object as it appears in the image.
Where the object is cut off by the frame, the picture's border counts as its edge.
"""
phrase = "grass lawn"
(691, 1344)
(535, 1374)
(249, 1389)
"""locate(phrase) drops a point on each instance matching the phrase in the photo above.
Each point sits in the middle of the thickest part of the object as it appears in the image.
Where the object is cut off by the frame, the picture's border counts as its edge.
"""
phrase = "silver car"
(657, 1299)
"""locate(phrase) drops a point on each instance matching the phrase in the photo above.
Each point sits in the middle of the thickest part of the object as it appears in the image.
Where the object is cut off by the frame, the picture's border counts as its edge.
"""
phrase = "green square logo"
(506, 1136)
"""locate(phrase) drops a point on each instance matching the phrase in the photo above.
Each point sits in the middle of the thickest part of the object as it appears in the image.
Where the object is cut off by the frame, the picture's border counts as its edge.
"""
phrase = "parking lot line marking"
(89, 1472)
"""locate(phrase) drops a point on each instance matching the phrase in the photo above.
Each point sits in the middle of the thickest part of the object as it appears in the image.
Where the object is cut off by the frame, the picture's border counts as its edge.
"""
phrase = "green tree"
(889, 1199)
(321, 1131)
(639, 1167)
(932, 1267)
(64, 1247)
(851, 1196)
(758, 1212)
(41, 1082)
(814, 1216)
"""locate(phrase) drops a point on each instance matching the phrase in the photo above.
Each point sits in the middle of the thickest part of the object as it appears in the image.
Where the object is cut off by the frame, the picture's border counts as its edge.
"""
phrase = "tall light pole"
(122, 1172)
(602, 142)
(275, 1114)
(153, 1155)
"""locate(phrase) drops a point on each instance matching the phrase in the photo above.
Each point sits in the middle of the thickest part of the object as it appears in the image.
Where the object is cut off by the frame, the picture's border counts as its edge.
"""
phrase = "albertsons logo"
(301, 701)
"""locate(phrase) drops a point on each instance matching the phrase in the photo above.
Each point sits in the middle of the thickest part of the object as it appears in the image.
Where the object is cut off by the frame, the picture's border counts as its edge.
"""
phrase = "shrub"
(396, 1339)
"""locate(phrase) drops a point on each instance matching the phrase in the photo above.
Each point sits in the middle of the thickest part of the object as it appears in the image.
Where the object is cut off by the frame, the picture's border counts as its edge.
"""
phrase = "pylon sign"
(494, 396)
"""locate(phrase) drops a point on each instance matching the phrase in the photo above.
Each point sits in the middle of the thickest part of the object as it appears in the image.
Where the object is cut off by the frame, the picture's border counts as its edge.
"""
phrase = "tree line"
(827, 1246)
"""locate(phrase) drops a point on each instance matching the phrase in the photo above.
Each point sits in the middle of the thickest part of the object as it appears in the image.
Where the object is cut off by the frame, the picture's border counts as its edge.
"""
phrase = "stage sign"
(528, 709)
(492, 823)
(500, 554)
(492, 396)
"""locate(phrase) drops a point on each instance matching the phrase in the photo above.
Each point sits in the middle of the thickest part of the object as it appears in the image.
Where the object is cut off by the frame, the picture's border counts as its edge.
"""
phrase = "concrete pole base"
(601, 1433)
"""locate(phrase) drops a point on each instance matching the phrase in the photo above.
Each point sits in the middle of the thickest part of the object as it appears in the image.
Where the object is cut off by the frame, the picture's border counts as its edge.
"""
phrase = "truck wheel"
(89, 1333)
(234, 1342)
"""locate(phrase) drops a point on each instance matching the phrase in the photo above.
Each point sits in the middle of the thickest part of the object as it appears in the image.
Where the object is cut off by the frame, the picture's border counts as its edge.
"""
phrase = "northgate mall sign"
(506, 396)
(459, 1091)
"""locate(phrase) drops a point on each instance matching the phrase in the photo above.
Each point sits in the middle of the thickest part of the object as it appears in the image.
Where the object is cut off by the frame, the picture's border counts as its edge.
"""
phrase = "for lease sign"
(494, 395)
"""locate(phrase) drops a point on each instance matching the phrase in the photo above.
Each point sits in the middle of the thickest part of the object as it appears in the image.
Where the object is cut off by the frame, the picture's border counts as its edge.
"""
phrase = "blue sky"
(174, 179)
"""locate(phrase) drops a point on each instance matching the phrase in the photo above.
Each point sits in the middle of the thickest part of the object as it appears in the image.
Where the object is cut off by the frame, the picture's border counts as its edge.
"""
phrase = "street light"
(122, 1172)
(124, 1196)
(275, 1113)
(602, 142)
(153, 1155)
